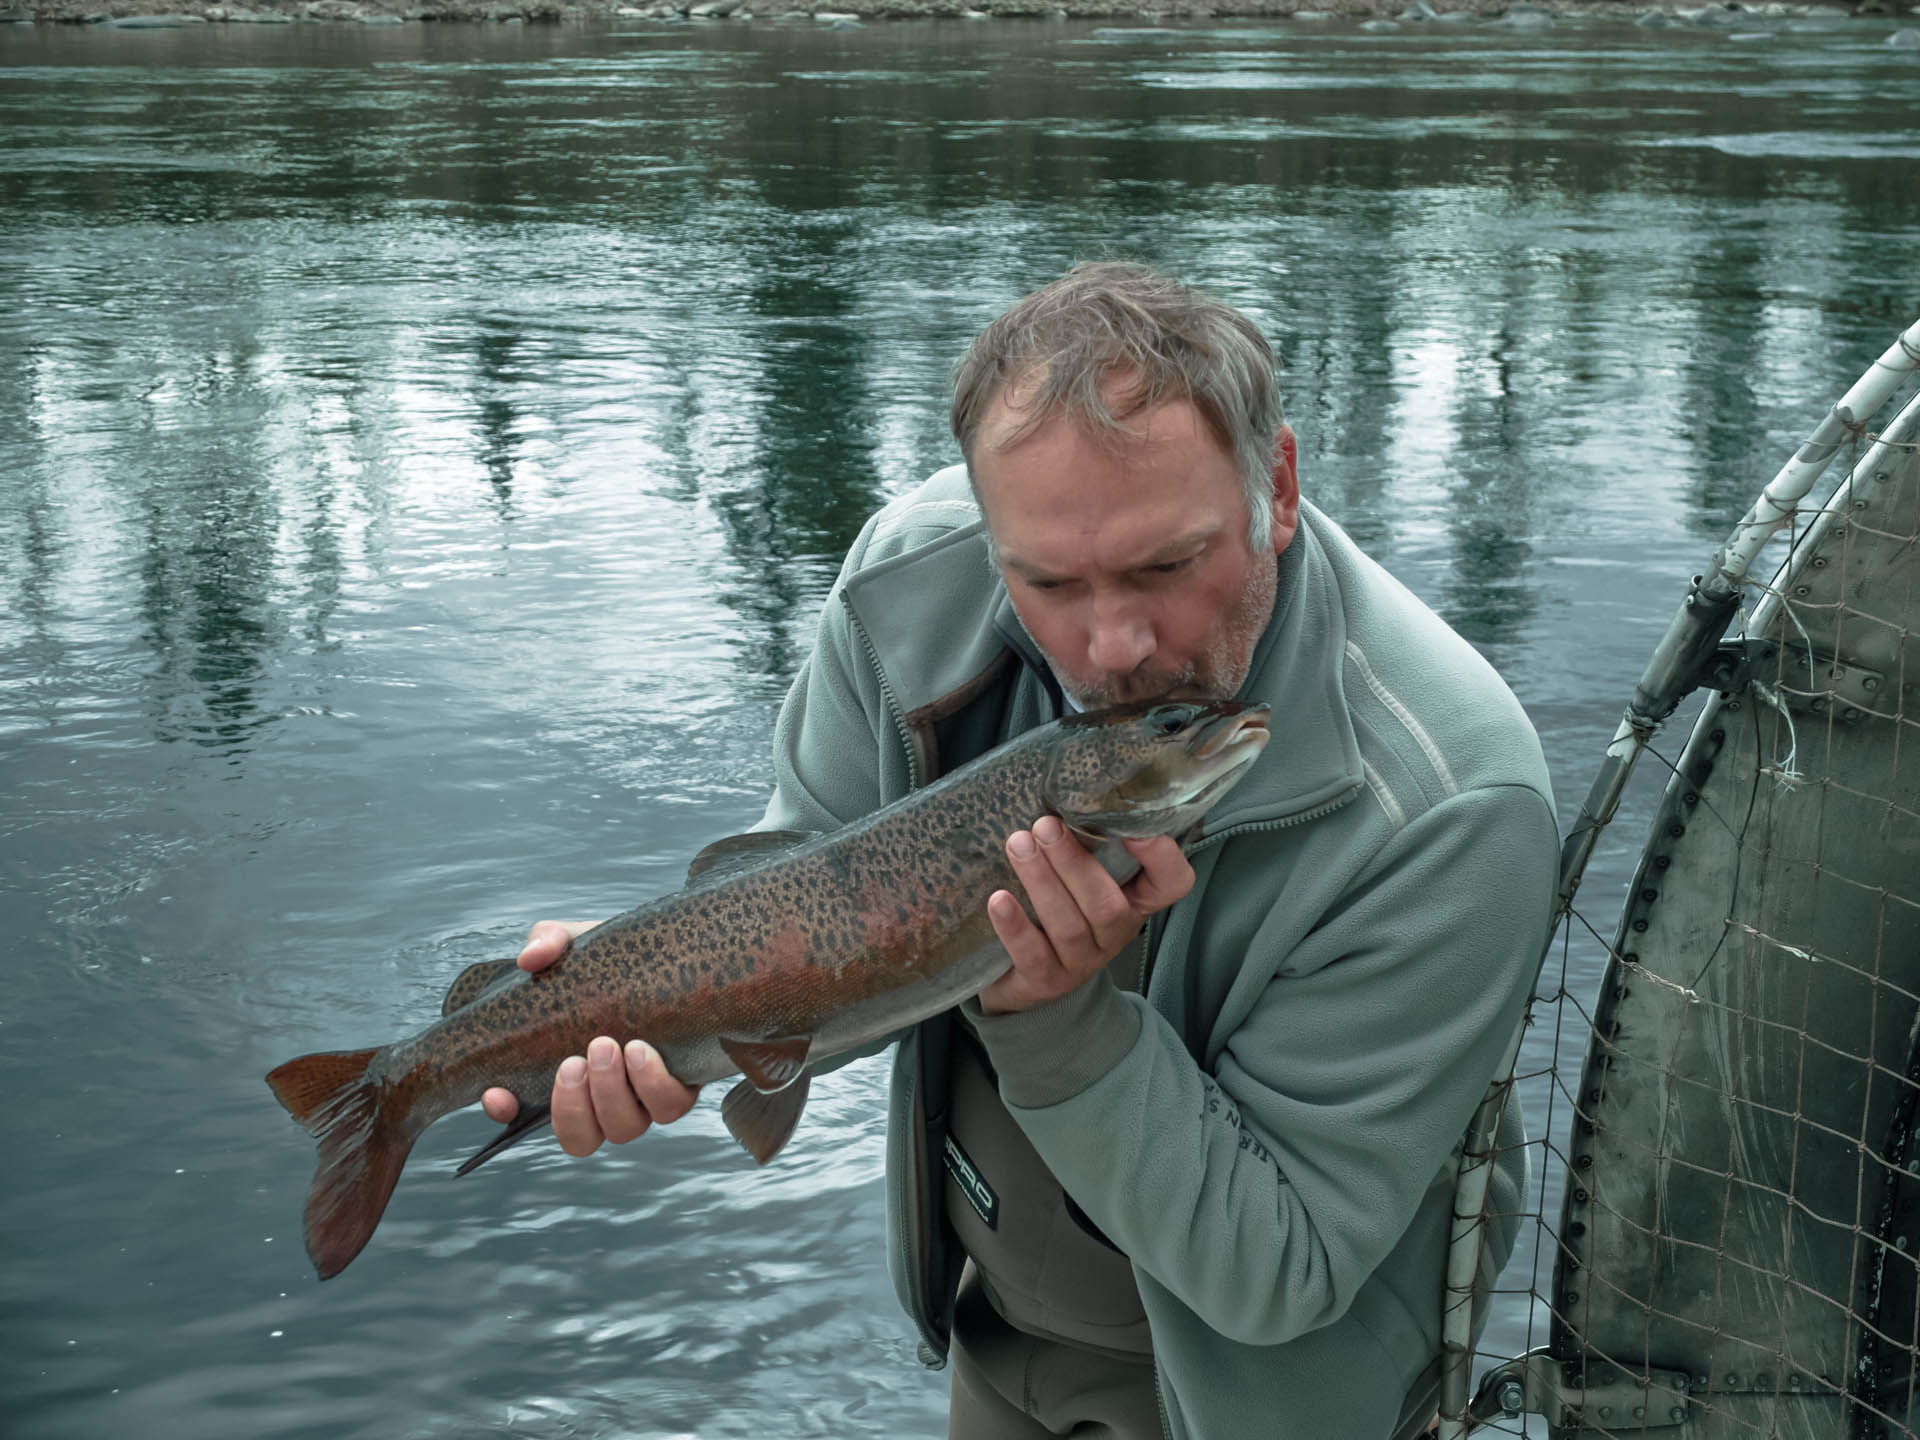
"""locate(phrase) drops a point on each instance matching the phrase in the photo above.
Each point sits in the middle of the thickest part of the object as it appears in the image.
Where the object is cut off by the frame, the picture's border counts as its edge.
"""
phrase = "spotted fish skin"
(764, 967)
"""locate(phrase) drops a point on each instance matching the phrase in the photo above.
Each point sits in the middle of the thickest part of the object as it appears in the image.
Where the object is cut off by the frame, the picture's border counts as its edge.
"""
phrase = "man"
(1192, 1178)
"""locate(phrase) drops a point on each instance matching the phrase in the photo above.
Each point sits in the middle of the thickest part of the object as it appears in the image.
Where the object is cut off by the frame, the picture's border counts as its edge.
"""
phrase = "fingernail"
(637, 1052)
(573, 1071)
(1021, 844)
(1047, 830)
(600, 1054)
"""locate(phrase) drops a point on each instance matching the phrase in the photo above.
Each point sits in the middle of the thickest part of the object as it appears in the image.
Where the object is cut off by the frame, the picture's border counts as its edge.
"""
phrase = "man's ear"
(1286, 488)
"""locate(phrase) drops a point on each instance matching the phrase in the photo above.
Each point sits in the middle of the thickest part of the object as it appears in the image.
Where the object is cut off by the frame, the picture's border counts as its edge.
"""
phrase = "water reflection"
(499, 375)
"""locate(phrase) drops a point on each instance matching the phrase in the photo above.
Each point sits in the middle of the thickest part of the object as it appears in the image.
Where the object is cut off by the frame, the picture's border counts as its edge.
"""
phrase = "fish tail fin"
(361, 1150)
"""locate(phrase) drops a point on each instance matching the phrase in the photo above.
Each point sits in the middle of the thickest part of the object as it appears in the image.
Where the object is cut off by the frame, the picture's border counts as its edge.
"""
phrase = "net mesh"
(1721, 1089)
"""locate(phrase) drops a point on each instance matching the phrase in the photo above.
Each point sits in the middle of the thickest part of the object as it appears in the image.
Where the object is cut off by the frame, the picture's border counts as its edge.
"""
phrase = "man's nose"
(1122, 636)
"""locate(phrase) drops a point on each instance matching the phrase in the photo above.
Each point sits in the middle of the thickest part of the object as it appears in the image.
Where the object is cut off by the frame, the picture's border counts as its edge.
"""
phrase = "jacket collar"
(1312, 761)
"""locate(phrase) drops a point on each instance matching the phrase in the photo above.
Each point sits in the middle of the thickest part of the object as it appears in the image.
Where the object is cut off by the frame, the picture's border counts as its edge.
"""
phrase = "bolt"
(1639, 1412)
(1512, 1397)
(1869, 682)
(1677, 1414)
(1803, 590)
(1899, 1242)
(1606, 1412)
(1852, 714)
(1819, 562)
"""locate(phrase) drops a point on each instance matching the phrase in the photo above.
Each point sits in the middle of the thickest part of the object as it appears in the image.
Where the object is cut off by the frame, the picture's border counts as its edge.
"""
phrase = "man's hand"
(1085, 918)
(604, 1095)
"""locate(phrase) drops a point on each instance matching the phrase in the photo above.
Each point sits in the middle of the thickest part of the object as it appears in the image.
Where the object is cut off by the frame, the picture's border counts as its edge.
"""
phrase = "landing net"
(1723, 1235)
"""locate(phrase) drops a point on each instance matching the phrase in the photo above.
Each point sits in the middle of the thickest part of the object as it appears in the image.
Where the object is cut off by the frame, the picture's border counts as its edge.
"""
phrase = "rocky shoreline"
(1531, 14)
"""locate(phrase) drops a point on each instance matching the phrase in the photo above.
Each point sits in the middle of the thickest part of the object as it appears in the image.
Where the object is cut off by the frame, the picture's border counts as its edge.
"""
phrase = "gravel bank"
(1534, 14)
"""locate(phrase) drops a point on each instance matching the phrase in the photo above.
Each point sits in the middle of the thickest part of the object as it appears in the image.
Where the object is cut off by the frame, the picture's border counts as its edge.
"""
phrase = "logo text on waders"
(972, 1184)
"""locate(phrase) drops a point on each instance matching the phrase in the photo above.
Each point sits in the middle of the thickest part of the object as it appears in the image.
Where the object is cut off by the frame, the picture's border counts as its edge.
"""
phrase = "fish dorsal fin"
(763, 1123)
(735, 853)
(474, 981)
(769, 1065)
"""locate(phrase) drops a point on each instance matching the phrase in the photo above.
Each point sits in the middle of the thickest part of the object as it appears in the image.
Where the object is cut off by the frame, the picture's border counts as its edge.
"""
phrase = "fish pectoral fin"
(530, 1118)
(762, 1122)
(769, 1065)
(474, 981)
(735, 853)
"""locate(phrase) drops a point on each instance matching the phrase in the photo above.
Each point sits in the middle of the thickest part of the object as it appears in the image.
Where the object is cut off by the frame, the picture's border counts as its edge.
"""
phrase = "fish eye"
(1168, 719)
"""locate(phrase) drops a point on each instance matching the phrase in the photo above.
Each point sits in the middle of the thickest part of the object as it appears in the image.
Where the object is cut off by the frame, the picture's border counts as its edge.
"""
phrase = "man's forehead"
(1023, 408)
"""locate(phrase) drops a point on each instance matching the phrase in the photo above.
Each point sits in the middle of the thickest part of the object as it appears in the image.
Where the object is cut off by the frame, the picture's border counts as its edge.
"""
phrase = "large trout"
(783, 950)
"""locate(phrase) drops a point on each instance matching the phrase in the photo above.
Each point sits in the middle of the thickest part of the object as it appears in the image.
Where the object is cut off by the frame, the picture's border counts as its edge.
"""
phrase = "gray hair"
(1108, 316)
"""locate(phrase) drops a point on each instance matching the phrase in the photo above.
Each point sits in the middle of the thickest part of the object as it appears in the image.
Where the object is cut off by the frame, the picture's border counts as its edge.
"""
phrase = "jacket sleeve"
(1263, 1195)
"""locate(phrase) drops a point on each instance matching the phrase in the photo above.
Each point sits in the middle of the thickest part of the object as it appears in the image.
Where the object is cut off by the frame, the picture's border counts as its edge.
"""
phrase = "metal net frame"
(1722, 1234)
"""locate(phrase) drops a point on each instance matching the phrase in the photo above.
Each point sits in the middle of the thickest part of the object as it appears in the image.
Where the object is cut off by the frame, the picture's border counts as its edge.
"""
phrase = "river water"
(423, 452)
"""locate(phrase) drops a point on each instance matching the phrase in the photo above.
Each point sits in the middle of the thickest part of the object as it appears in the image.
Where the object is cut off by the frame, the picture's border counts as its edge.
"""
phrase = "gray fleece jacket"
(1270, 1131)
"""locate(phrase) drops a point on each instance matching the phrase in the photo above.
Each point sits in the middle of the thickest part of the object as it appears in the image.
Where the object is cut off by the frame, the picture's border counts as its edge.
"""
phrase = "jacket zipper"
(1155, 925)
(900, 728)
(932, 1354)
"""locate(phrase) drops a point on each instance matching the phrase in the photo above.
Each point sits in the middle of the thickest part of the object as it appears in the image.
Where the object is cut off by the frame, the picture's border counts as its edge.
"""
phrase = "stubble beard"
(1216, 673)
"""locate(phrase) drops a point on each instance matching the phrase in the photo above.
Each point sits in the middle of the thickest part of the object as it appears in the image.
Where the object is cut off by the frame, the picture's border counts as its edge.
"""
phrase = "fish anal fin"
(769, 1065)
(735, 853)
(474, 981)
(763, 1122)
(362, 1150)
(529, 1119)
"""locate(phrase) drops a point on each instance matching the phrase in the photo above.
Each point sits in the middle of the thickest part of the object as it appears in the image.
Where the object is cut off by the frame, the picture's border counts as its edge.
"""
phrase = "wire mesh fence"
(1723, 1233)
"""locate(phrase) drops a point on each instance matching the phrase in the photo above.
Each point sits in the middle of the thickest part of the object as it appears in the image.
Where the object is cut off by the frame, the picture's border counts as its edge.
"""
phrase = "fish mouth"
(1233, 729)
(1229, 743)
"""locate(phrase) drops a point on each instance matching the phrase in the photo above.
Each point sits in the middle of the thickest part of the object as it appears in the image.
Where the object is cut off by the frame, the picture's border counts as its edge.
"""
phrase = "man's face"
(1128, 563)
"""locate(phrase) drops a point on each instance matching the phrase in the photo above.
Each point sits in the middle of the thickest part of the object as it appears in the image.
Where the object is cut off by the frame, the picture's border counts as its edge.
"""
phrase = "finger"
(1099, 902)
(664, 1098)
(1055, 911)
(614, 1106)
(500, 1104)
(574, 1124)
(1036, 972)
(1166, 875)
(547, 941)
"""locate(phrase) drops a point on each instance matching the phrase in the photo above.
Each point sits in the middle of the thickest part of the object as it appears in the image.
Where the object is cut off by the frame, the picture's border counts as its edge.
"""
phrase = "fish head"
(1151, 769)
